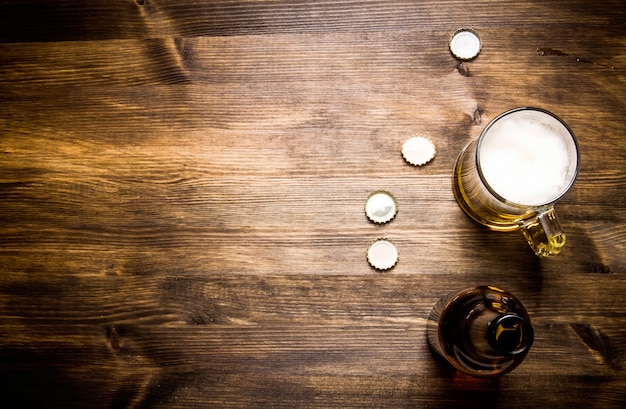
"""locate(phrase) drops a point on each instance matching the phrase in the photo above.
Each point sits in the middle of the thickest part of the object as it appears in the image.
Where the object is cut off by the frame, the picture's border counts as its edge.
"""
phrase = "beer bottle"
(482, 331)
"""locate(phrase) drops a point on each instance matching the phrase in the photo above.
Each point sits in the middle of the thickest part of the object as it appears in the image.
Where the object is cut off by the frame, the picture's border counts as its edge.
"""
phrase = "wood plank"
(232, 300)
(332, 58)
(48, 20)
(290, 224)
(141, 331)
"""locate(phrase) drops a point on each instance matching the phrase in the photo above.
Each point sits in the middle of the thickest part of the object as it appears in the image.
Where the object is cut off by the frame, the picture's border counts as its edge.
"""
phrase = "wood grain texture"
(182, 188)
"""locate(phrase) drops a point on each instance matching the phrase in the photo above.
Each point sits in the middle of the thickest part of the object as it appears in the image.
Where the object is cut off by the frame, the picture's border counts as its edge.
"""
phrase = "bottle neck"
(495, 334)
(510, 334)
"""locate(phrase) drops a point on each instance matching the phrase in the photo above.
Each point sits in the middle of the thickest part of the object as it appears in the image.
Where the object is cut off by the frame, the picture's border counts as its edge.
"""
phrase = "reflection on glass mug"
(510, 176)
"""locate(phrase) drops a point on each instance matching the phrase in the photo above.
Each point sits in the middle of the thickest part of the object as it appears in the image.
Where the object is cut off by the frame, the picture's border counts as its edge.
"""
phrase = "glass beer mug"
(510, 176)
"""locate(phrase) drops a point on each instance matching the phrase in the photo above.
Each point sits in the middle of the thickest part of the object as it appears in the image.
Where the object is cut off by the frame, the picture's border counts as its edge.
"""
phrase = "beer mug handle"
(544, 233)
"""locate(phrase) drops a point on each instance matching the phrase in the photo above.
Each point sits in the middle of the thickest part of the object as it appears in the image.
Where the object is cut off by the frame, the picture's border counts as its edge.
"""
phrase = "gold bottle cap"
(381, 207)
(465, 44)
(382, 254)
(418, 151)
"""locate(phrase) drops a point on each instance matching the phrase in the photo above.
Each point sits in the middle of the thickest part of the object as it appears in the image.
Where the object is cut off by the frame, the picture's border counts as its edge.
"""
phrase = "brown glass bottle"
(482, 331)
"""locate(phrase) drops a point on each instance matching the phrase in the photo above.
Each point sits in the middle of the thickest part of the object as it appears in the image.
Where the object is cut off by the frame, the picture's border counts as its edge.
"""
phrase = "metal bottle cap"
(382, 254)
(381, 207)
(465, 44)
(418, 151)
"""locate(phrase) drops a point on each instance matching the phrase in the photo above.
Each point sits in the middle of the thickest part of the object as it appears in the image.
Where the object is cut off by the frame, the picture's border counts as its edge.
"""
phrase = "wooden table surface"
(182, 186)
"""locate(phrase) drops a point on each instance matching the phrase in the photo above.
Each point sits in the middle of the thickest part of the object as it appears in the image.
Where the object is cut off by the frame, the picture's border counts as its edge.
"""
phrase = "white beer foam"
(527, 162)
